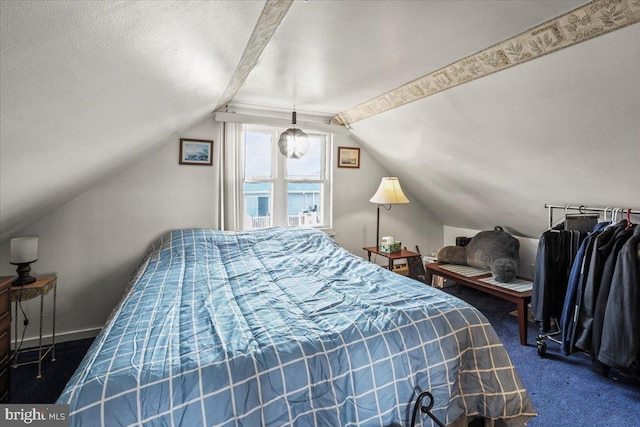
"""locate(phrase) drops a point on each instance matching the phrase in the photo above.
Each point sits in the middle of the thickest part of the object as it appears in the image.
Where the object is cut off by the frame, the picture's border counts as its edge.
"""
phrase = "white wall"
(355, 217)
(561, 129)
(94, 243)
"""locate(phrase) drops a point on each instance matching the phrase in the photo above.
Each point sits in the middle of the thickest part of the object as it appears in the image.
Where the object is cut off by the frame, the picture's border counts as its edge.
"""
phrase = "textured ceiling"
(328, 56)
(87, 87)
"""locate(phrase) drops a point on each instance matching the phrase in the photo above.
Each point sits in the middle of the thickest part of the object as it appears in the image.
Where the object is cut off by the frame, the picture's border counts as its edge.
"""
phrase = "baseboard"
(60, 337)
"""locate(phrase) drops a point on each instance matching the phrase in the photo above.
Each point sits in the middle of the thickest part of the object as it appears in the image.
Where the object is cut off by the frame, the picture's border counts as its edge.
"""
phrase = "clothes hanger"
(614, 212)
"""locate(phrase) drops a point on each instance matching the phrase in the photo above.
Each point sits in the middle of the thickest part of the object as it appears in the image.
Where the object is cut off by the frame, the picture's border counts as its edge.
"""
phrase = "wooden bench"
(520, 298)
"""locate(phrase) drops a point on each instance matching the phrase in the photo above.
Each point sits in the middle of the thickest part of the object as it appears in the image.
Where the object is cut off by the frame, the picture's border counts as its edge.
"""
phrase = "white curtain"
(229, 215)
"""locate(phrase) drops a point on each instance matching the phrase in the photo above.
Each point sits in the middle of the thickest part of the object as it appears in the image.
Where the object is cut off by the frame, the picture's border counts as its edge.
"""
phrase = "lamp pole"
(378, 229)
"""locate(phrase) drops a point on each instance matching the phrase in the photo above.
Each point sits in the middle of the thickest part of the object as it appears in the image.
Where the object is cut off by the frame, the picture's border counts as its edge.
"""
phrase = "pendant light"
(293, 143)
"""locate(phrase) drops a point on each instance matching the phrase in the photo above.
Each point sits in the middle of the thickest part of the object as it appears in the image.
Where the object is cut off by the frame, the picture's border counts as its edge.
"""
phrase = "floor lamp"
(389, 193)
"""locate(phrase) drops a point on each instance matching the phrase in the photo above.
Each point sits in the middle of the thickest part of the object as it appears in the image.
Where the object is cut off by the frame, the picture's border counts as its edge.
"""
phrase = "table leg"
(428, 277)
(53, 335)
(390, 264)
(369, 254)
(40, 339)
(15, 336)
(522, 320)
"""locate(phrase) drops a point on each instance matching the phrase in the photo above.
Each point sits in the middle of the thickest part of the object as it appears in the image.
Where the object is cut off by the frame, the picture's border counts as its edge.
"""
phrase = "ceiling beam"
(272, 15)
(585, 22)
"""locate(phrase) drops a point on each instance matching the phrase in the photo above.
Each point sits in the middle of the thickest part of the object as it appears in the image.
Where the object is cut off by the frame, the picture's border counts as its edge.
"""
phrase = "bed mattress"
(282, 327)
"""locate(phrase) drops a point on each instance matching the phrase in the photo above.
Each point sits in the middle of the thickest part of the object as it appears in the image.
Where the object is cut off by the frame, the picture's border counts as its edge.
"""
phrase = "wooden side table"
(41, 287)
(411, 257)
(403, 254)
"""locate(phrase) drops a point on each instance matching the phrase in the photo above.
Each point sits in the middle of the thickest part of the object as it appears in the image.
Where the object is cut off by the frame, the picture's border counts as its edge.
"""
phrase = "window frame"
(279, 180)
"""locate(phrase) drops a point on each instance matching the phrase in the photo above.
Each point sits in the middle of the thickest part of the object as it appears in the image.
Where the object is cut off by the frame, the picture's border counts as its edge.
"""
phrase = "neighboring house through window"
(277, 191)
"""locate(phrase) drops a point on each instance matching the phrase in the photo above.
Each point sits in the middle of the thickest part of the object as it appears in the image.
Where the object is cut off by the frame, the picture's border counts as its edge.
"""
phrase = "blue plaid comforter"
(282, 327)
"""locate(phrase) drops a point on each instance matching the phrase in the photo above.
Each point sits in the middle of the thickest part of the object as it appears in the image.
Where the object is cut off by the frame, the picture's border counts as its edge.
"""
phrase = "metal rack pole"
(632, 211)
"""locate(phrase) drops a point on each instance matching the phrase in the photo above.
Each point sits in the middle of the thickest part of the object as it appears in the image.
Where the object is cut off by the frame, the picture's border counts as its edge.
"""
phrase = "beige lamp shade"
(23, 250)
(389, 192)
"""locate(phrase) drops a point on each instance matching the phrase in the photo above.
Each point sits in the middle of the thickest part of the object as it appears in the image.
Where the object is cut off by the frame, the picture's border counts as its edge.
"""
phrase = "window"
(277, 191)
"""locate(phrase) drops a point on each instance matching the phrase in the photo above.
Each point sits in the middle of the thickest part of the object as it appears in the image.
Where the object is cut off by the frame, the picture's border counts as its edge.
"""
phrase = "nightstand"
(414, 260)
(5, 336)
(402, 254)
(41, 287)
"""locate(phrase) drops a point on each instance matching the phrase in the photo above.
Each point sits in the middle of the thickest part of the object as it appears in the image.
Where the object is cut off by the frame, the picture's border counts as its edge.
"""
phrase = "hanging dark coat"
(601, 249)
(573, 297)
(620, 238)
(620, 346)
(549, 270)
(554, 258)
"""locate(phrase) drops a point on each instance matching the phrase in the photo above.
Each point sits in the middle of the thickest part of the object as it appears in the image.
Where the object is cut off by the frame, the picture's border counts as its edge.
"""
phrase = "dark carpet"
(26, 388)
(564, 390)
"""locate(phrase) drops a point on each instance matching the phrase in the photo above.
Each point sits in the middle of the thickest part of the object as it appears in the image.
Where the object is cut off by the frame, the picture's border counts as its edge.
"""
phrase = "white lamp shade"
(389, 192)
(24, 250)
(293, 143)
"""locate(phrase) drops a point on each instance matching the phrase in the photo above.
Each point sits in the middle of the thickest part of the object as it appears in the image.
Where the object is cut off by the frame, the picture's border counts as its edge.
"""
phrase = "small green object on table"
(390, 248)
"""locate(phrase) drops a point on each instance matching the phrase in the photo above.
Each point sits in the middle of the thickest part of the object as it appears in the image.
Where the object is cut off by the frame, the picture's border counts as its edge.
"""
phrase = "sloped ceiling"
(88, 87)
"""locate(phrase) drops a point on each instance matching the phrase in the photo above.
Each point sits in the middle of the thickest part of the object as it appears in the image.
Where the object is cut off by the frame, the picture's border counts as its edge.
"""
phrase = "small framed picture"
(196, 152)
(348, 157)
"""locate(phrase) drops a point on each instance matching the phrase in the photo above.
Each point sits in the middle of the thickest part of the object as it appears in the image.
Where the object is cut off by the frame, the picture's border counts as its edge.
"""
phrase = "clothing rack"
(614, 212)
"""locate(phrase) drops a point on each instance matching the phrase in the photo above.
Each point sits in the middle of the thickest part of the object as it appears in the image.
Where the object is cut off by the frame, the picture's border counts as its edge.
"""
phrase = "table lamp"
(24, 251)
(389, 193)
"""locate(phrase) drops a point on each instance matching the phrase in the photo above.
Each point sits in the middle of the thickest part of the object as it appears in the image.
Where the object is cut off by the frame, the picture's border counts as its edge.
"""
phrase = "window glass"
(310, 165)
(277, 191)
(304, 203)
(257, 154)
(257, 205)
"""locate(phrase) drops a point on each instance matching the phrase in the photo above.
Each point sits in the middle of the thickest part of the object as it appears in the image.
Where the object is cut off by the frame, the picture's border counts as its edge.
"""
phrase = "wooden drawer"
(4, 383)
(5, 322)
(5, 301)
(5, 336)
(5, 345)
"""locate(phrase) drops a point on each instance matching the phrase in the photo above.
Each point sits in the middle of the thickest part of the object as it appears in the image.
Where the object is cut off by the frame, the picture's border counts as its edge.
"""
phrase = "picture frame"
(349, 157)
(196, 152)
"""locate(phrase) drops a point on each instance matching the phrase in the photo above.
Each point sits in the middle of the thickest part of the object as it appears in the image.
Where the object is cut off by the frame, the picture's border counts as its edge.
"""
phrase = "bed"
(282, 327)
